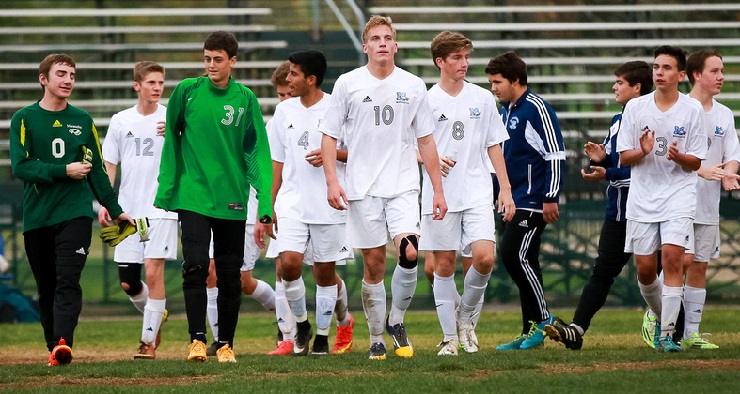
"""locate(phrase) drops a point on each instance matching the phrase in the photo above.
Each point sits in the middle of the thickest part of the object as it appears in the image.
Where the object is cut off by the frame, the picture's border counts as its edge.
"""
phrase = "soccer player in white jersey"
(705, 70)
(134, 139)
(305, 218)
(664, 141)
(382, 110)
(467, 127)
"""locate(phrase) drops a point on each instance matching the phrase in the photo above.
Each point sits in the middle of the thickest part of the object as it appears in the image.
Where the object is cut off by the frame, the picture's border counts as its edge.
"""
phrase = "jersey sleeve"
(98, 176)
(732, 146)
(628, 137)
(171, 156)
(554, 152)
(111, 152)
(336, 114)
(257, 157)
(424, 119)
(696, 145)
(23, 165)
(276, 136)
(496, 131)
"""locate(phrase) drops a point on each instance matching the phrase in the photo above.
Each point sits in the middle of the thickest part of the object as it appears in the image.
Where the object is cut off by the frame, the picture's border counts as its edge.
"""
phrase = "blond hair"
(377, 20)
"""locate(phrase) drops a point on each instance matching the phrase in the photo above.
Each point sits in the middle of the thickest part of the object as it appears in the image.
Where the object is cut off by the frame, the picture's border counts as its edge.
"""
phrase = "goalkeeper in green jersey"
(54, 149)
(216, 146)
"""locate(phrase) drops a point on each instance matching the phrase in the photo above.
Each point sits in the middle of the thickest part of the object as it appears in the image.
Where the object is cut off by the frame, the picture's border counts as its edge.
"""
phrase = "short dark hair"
(311, 63)
(222, 41)
(50, 60)
(637, 72)
(510, 66)
(675, 52)
(696, 62)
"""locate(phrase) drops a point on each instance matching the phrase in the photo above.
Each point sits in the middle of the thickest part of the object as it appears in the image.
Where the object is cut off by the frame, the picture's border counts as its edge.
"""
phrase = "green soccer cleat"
(697, 341)
(648, 328)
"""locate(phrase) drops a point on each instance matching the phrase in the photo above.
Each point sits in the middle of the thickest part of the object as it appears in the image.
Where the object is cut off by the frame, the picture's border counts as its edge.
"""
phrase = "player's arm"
(629, 157)
(430, 158)
(555, 158)
(168, 168)
(687, 161)
(103, 216)
(505, 200)
(100, 182)
(335, 194)
(258, 159)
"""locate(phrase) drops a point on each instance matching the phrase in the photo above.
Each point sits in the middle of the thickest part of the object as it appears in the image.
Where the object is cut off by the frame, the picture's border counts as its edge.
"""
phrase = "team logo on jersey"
(235, 206)
(719, 132)
(679, 131)
(442, 118)
(367, 99)
(401, 98)
(513, 122)
(474, 113)
(129, 134)
(57, 123)
(646, 128)
(74, 129)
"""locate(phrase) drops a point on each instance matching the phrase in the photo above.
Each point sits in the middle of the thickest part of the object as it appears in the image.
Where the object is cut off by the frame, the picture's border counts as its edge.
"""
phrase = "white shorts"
(162, 244)
(645, 238)
(458, 230)
(326, 242)
(704, 243)
(371, 219)
(251, 250)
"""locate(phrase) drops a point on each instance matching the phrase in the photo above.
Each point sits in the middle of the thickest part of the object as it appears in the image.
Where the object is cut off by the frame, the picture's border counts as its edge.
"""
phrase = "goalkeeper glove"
(114, 235)
(86, 155)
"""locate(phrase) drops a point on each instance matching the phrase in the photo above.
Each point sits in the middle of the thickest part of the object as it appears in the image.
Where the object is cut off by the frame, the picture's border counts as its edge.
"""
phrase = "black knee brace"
(194, 273)
(404, 261)
(130, 274)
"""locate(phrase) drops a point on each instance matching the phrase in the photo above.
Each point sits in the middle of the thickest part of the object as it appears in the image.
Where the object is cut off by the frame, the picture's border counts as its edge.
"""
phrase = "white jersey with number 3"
(382, 120)
(132, 140)
(294, 132)
(660, 189)
(466, 125)
(723, 147)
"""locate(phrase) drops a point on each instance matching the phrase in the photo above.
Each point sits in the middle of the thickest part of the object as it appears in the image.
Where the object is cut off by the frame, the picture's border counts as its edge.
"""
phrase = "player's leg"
(345, 322)
(196, 237)
(212, 302)
(294, 236)
(283, 314)
(228, 254)
(467, 262)
(366, 225)
(706, 246)
(326, 298)
(39, 247)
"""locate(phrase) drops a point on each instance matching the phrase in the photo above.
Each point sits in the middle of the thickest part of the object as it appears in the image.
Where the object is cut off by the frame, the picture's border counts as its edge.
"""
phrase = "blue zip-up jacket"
(618, 176)
(534, 153)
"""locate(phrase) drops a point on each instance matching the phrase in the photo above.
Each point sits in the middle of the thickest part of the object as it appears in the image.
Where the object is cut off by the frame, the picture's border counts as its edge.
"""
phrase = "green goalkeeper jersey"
(215, 147)
(42, 143)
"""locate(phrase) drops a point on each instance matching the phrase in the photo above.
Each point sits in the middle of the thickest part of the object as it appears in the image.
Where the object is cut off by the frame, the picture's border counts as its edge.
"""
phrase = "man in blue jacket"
(535, 160)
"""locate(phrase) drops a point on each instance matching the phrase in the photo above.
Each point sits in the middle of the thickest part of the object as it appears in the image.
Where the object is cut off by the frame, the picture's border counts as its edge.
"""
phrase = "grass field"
(613, 359)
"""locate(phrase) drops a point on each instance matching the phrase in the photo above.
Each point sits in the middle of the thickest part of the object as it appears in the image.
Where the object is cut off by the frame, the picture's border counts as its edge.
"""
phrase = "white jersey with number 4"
(660, 189)
(466, 125)
(723, 147)
(294, 132)
(382, 120)
(132, 140)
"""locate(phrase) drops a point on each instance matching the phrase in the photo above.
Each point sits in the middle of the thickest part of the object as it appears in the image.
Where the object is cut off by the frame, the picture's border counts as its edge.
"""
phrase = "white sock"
(264, 294)
(326, 300)
(373, 302)
(295, 293)
(212, 311)
(285, 319)
(652, 294)
(403, 287)
(478, 309)
(340, 309)
(693, 305)
(672, 297)
(153, 312)
(139, 300)
(445, 293)
(473, 289)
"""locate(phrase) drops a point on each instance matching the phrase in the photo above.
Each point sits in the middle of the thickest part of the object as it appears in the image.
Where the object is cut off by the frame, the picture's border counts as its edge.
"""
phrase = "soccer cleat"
(377, 351)
(225, 354)
(656, 336)
(146, 351)
(666, 345)
(158, 339)
(513, 345)
(468, 340)
(197, 351)
(61, 354)
(697, 341)
(565, 334)
(536, 336)
(284, 348)
(401, 343)
(343, 342)
(320, 346)
(302, 338)
(449, 347)
(648, 328)
(211, 351)
(279, 337)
